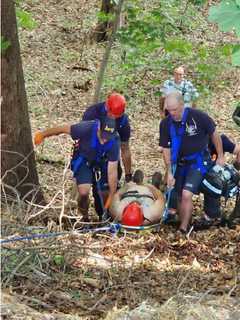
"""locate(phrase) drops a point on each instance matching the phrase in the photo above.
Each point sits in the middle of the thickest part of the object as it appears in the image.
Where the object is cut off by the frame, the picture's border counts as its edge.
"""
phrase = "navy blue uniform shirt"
(199, 127)
(228, 145)
(89, 145)
(98, 111)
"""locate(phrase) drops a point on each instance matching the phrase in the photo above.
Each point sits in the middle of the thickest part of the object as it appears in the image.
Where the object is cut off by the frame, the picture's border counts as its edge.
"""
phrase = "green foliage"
(25, 19)
(159, 35)
(4, 45)
(227, 16)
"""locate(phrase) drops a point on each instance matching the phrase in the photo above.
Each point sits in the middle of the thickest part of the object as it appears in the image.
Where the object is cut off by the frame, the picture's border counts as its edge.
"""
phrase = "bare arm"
(112, 177)
(167, 161)
(217, 141)
(126, 157)
(56, 131)
(41, 135)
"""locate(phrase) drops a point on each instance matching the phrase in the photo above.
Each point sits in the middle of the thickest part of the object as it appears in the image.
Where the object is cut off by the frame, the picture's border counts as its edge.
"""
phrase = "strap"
(135, 194)
(177, 135)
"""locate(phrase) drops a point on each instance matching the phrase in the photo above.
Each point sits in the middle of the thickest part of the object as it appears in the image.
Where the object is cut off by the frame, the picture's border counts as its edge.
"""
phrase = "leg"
(186, 208)
(84, 178)
(83, 200)
(212, 207)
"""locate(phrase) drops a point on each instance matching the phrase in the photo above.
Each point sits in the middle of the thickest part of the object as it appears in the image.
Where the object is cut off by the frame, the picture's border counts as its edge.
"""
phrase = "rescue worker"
(137, 203)
(181, 85)
(184, 136)
(212, 206)
(113, 107)
(98, 143)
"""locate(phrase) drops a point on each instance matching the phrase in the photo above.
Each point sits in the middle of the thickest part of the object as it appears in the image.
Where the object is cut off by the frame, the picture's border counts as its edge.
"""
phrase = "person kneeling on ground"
(137, 203)
(97, 144)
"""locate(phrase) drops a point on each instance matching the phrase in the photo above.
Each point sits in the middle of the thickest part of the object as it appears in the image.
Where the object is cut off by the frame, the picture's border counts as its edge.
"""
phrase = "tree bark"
(107, 53)
(19, 174)
(103, 27)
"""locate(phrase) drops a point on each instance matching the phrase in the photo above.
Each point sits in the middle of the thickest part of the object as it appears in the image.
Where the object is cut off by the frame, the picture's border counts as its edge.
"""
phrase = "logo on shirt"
(191, 129)
(108, 129)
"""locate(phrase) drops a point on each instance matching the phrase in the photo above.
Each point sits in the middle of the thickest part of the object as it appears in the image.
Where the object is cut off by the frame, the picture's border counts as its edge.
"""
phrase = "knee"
(186, 196)
(83, 191)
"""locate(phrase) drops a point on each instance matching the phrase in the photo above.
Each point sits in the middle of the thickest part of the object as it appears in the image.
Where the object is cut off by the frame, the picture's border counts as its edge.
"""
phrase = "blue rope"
(112, 228)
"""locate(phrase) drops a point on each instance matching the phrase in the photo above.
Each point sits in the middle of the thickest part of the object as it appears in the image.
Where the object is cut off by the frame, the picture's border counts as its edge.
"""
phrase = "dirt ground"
(89, 274)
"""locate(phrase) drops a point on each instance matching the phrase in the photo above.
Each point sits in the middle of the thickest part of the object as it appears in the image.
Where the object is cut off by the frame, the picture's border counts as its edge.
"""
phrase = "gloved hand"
(128, 177)
(38, 138)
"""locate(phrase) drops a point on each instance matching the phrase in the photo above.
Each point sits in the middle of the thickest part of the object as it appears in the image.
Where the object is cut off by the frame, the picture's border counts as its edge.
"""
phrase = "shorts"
(190, 182)
(84, 174)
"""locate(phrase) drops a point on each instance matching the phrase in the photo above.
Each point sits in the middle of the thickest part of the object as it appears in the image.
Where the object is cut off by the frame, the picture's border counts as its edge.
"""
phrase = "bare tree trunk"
(103, 27)
(107, 53)
(19, 174)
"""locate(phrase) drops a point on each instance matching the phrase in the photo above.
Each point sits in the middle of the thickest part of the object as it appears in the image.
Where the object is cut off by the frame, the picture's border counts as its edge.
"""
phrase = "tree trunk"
(107, 53)
(102, 29)
(19, 174)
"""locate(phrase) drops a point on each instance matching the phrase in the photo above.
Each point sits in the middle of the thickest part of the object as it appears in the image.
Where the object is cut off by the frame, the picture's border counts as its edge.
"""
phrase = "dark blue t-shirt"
(89, 145)
(228, 145)
(98, 111)
(199, 127)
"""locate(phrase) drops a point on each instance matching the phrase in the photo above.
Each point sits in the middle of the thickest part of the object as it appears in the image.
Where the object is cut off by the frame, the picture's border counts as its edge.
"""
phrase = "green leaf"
(25, 19)
(236, 56)
(227, 15)
(58, 260)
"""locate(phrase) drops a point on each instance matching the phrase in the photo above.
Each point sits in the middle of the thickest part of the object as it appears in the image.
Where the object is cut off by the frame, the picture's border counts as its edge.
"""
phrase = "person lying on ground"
(181, 85)
(138, 203)
(184, 136)
(98, 144)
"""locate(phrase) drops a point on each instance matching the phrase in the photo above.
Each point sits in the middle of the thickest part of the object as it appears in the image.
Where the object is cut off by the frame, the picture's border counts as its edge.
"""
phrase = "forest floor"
(90, 274)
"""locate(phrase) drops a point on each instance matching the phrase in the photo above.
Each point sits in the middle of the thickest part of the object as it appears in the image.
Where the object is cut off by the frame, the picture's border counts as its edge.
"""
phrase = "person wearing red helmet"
(137, 203)
(113, 107)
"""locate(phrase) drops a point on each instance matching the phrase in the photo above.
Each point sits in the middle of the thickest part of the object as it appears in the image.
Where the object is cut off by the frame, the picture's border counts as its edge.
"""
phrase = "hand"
(38, 138)
(170, 180)
(220, 161)
(108, 202)
(128, 177)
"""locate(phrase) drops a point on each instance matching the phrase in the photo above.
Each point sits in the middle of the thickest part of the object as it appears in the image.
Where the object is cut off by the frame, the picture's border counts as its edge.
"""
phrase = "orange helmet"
(133, 215)
(116, 104)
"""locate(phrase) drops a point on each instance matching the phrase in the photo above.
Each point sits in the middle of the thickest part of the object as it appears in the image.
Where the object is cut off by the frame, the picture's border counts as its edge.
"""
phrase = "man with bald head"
(181, 85)
(184, 137)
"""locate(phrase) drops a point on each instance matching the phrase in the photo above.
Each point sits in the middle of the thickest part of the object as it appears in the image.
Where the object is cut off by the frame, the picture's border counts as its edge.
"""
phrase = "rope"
(113, 228)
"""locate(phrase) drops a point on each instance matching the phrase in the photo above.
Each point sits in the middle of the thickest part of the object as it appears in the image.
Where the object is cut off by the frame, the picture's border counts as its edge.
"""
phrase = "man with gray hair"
(184, 137)
(181, 85)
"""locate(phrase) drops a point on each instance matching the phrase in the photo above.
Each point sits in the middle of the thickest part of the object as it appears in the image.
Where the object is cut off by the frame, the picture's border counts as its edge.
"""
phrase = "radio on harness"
(221, 182)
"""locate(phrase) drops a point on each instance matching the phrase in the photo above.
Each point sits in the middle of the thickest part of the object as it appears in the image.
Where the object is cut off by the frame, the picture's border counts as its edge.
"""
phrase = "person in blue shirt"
(98, 145)
(114, 107)
(184, 136)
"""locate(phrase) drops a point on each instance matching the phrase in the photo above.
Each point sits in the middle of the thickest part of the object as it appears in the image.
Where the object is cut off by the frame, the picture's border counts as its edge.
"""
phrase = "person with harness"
(137, 203)
(113, 107)
(98, 145)
(212, 205)
(181, 85)
(184, 136)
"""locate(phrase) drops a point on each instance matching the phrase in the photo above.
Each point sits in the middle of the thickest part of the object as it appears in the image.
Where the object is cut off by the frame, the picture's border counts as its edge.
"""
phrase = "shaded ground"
(94, 273)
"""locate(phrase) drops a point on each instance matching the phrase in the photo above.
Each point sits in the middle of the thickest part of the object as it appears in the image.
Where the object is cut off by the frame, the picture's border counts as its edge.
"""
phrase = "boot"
(138, 177)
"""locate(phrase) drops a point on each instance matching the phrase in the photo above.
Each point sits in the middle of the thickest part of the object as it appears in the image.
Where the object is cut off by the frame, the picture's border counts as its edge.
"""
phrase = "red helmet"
(133, 215)
(116, 104)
